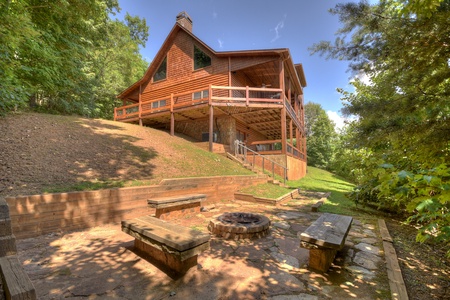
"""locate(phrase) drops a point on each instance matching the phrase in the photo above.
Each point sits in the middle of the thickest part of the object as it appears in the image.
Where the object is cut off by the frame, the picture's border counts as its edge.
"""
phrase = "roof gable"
(296, 70)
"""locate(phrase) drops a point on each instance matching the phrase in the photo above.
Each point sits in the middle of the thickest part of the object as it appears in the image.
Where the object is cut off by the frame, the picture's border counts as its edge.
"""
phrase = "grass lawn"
(315, 180)
(324, 181)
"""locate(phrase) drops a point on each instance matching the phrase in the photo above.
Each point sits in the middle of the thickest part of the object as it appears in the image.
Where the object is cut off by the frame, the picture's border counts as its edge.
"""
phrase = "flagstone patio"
(100, 263)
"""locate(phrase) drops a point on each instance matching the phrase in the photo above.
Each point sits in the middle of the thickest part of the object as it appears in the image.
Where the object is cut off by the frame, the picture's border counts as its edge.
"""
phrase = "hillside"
(45, 153)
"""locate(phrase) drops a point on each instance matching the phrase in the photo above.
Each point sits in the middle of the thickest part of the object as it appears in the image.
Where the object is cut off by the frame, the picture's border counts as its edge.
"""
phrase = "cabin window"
(161, 73)
(201, 60)
(241, 136)
(200, 95)
(160, 103)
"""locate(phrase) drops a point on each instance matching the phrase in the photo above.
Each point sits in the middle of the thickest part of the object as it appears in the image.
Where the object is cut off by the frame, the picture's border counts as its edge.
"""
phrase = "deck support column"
(283, 110)
(291, 135)
(172, 117)
(172, 124)
(283, 131)
(211, 127)
(140, 105)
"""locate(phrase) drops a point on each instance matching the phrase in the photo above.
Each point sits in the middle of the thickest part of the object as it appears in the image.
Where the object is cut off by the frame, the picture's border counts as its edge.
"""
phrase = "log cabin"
(227, 100)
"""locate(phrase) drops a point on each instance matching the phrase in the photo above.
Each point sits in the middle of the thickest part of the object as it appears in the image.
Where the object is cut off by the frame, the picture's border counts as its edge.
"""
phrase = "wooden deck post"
(172, 117)
(291, 135)
(230, 92)
(211, 127)
(283, 110)
(291, 141)
(140, 105)
(247, 95)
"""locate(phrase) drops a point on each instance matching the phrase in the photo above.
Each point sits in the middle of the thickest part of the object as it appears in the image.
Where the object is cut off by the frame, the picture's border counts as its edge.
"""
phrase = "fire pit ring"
(239, 225)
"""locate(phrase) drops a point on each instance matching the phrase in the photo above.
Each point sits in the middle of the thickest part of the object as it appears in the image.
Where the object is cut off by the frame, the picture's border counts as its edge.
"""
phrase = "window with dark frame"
(158, 104)
(161, 73)
(200, 95)
(201, 59)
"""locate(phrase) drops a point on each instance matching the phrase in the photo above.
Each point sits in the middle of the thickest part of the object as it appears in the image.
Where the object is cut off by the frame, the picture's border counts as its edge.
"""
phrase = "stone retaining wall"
(41, 214)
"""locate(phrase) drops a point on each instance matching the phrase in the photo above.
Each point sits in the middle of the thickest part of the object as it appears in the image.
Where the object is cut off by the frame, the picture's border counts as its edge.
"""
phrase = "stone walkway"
(99, 263)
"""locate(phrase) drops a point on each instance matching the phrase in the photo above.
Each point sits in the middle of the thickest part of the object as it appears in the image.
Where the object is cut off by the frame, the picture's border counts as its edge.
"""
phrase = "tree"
(115, 64)
(16, 29)
(55, 55)
(320, 136)
(403, 114)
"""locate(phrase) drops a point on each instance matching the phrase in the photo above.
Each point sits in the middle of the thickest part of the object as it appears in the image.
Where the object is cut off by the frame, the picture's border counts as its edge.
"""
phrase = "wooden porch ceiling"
(266, 121)
(263, 120)
(265, 73)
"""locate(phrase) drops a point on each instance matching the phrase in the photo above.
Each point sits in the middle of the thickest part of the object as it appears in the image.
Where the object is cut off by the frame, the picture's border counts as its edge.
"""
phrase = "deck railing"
(249, 96)
(269, 147)
(290, 110)
(241, 150)
(214, 95)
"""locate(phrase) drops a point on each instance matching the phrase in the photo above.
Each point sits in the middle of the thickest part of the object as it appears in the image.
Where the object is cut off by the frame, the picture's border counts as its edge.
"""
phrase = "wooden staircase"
(249, 166)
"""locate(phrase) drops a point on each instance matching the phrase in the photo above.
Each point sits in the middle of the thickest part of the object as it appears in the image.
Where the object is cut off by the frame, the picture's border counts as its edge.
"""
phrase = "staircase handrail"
(241, 146)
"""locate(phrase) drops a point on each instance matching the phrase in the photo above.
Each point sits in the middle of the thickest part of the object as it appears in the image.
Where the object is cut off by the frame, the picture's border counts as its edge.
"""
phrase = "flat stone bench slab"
(324, 238)
(175, 246)
(177, 206)
(16, 282)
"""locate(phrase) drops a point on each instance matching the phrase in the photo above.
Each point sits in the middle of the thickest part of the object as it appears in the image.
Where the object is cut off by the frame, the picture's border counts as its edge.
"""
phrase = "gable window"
(201, 60)
(161, 73)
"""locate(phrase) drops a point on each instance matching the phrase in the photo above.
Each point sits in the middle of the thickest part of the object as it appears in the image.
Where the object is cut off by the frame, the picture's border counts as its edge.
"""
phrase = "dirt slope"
(41, 151)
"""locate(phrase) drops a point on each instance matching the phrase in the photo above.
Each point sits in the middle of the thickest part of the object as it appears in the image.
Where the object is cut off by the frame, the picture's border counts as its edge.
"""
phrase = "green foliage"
(419, 7)
(67, 56)
(424, 194)
(320, 136)
(397, 149)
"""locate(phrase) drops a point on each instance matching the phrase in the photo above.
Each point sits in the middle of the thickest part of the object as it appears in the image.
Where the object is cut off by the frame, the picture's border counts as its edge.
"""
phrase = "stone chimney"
(184, 20)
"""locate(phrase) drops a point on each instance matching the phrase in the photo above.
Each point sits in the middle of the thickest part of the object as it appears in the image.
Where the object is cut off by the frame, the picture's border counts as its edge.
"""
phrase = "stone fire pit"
(239, 225)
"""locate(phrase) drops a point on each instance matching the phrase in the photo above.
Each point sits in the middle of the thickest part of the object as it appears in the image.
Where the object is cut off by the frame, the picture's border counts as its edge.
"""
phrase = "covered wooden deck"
(217, 96)
(267, 110)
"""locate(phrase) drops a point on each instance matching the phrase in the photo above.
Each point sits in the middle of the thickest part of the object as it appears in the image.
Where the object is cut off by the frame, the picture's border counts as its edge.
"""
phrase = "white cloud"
(214, 14)
(337, 119)
(363, 77)
(220, 43)
(277, 29)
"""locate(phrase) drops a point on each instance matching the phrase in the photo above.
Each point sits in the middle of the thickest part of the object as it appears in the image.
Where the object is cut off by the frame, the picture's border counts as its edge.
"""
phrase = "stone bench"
(324, 238)
(315, 207)
(174, 207)
(16, 283)
(175, 246)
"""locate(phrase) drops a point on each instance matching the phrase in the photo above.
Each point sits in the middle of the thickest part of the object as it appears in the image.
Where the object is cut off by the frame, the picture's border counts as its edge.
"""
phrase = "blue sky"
(256, 24)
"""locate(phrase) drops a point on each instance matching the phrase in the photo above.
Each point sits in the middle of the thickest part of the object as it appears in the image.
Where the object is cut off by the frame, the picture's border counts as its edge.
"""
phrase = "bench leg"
(321, 259)
(166, 259)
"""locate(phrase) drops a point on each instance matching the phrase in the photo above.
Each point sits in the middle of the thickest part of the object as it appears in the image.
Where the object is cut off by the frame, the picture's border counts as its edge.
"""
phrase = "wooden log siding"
(154, 92)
